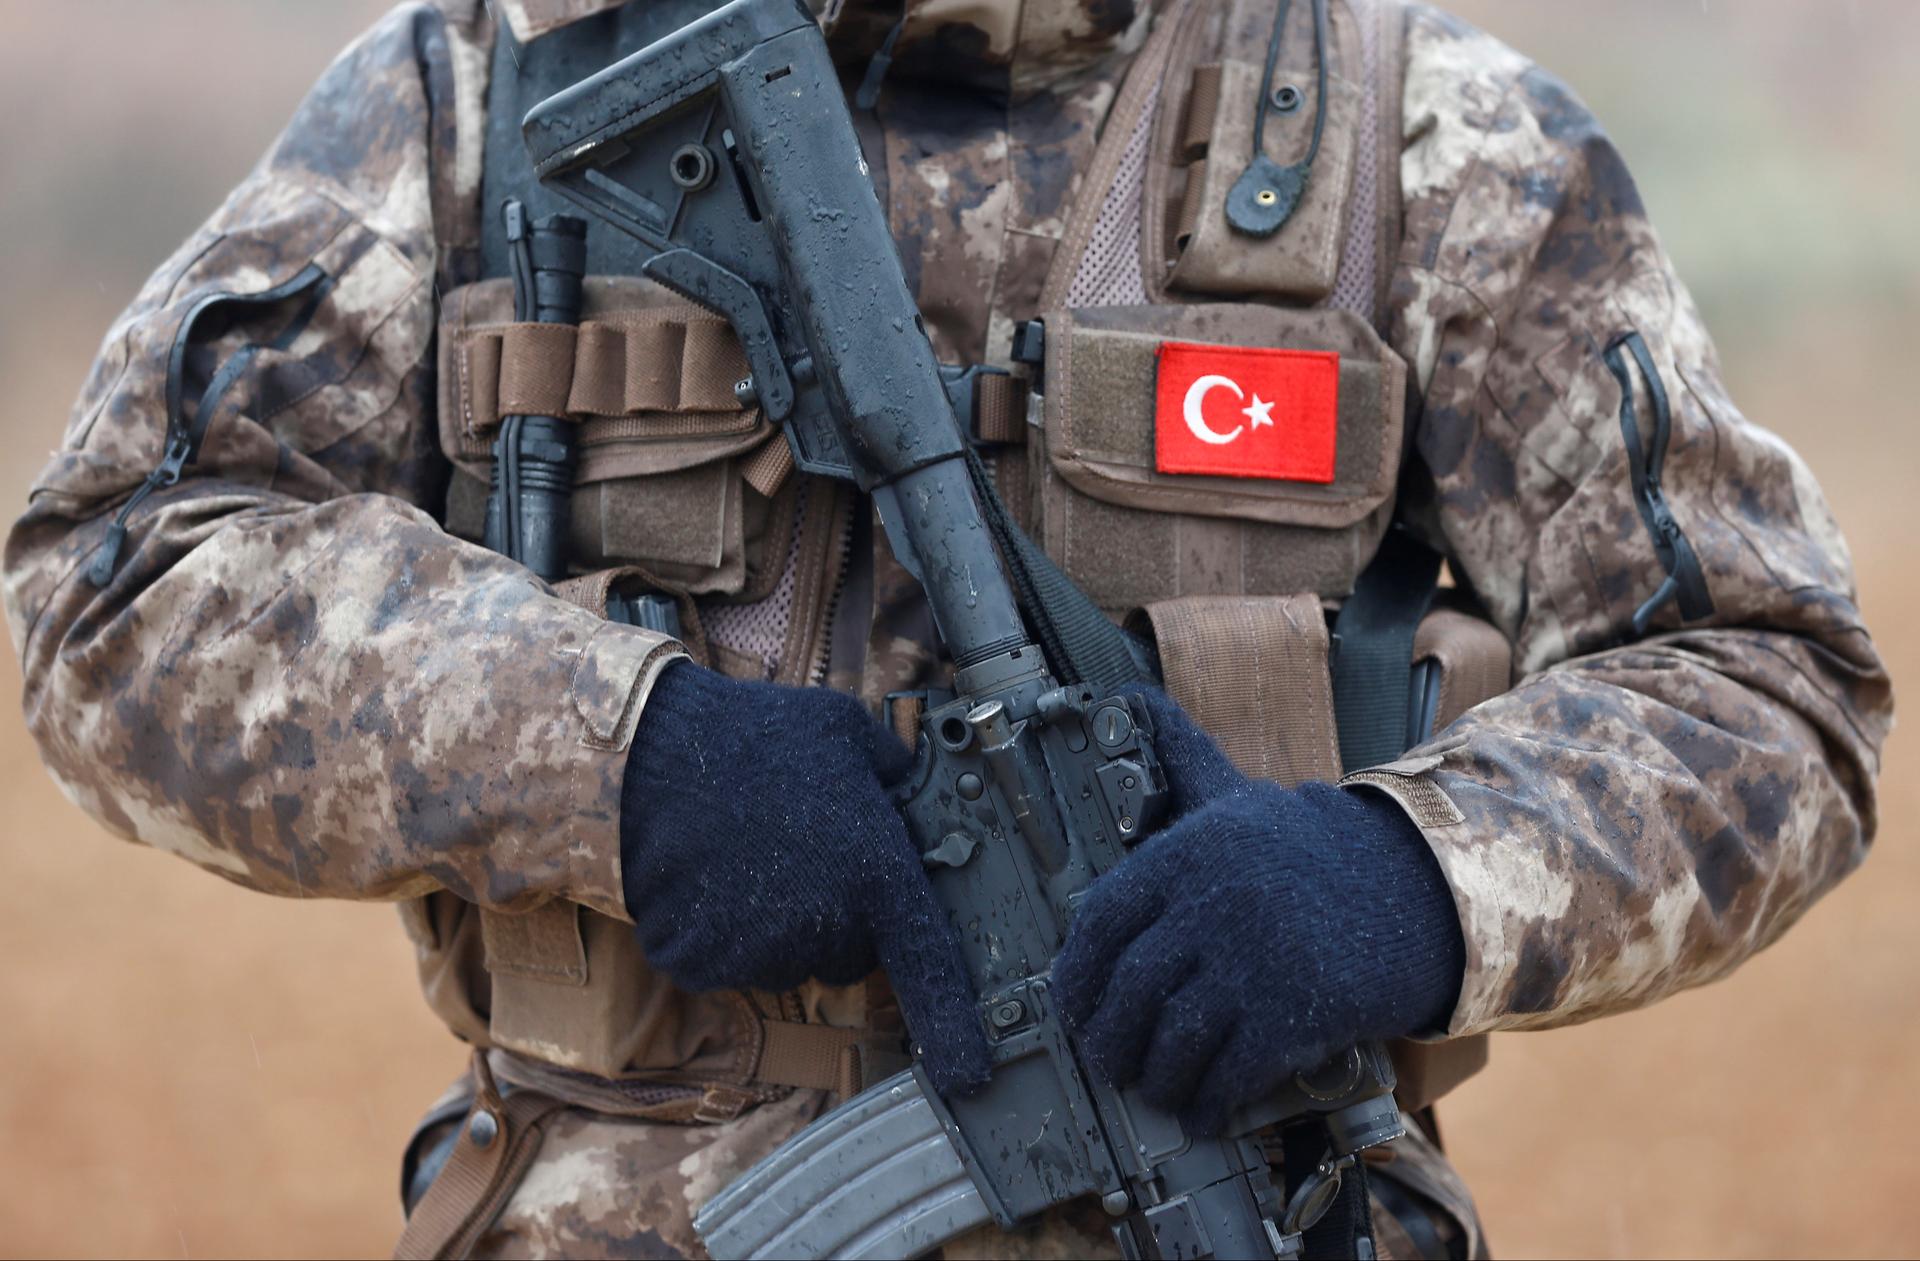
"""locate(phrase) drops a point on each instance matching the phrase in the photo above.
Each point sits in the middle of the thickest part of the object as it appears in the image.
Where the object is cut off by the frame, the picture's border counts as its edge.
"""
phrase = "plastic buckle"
(721, 1103)
(963, 393)
(1030, 344)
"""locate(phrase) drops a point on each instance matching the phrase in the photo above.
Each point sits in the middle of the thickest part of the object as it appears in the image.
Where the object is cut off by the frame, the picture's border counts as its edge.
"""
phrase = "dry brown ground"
(187, 1069)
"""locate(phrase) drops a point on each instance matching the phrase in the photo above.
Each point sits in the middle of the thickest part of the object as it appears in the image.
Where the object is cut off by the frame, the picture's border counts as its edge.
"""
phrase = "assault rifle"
(728, 148)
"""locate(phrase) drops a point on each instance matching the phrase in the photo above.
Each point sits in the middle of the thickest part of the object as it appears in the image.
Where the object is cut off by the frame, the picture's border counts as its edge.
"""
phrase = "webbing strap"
(768, 468)
(1000, 409)
(1273, 719)
(499, 1140)
(1373, 668)
(1081, 644)
(1349, 1220)
(660, 360)
(811, 1057)
(1203, 104)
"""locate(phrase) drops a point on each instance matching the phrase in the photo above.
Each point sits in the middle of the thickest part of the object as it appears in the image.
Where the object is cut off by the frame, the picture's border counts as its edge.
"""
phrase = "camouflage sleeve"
(1642, 812)
(293, 677)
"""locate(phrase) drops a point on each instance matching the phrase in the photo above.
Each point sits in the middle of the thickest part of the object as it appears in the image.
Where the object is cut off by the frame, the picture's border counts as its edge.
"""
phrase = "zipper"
(165, 473)
(184, 436)
(830, 613)
(1685, 582)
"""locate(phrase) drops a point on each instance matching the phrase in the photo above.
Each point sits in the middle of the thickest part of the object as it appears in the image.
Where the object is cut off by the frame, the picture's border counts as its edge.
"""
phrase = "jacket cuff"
(612, 679)
(1409, 784)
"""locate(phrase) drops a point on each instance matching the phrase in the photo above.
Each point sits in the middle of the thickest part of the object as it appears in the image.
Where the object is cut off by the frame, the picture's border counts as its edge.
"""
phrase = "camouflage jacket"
(296, 679)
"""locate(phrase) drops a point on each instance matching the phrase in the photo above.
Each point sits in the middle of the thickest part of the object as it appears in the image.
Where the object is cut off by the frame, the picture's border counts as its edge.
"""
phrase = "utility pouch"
(1132, 535)
(444, 930)
(1203, 142)
(675, 475)
(572, 991)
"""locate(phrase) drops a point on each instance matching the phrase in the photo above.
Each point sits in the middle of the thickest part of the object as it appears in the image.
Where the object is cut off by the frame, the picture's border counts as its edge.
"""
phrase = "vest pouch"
(1273, 722)
(1203, 140)
(1131, 535)
(571, 988)
(581, 1015)
(444, 931)
(674, 474)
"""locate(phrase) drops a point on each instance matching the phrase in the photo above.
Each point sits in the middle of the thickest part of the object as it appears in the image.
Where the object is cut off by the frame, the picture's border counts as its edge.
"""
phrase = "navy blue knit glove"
(1260, 932)
(759, 848)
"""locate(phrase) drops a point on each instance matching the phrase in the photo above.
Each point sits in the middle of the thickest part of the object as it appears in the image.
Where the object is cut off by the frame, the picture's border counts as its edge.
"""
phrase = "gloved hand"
(759, 848)
(1260, 932)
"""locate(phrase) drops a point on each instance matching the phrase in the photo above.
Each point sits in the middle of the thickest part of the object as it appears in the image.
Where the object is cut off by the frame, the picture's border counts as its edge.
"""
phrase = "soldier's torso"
(1059, 161)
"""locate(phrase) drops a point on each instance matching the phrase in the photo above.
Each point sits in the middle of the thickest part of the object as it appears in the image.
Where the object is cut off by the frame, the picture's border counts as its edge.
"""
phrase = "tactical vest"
(684, 489)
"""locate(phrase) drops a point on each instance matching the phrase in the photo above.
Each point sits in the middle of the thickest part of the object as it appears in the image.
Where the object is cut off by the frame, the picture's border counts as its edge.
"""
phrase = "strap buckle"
(720, 1103)
(990, 403)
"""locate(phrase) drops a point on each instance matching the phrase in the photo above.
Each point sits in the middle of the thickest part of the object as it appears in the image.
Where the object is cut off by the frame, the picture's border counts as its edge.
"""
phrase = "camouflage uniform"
(296, 679)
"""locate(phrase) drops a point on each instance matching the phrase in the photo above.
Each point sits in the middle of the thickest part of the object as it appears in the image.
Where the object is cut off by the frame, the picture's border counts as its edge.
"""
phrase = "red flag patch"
(1239, 411)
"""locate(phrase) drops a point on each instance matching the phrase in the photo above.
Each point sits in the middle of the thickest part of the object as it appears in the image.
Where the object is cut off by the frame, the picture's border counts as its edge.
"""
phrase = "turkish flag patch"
(1239, 411)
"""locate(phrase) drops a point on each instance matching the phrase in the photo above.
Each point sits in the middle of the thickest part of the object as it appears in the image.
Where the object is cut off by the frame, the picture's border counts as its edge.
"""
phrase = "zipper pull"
(1666, 527)
(1668, 589)
(172, 463)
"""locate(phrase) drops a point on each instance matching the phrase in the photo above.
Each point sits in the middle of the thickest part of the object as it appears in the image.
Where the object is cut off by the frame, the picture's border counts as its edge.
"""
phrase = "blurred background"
(188, 1069)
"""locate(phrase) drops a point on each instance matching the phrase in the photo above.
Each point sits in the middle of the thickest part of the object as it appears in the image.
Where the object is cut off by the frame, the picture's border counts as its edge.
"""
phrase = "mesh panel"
(1353, 284)
(759, 629)
(1109, 273)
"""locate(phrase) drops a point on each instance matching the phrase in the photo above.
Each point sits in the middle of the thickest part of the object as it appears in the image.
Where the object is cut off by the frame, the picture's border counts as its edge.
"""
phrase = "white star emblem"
(1258, 413)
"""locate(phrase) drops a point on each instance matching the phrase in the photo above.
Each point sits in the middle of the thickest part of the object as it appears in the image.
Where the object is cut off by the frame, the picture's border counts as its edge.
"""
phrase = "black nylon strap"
(1346, 1225)
(1373, 671)
(1409, 1211)
(1372, 697)
(1081, 643)
(1349, 1219)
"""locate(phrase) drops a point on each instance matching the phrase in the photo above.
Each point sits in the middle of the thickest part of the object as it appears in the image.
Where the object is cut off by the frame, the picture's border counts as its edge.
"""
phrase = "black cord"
(1266, 194)
(1265, 103)
(1261, 105)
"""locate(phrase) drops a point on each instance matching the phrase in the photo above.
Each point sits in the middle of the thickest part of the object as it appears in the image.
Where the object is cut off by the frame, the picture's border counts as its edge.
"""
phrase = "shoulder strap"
(1373, 661)
(1374, 631)
(1080, 642)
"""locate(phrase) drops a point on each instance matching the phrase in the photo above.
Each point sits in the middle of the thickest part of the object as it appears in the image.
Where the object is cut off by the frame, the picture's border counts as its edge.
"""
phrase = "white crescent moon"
(1196, 394)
